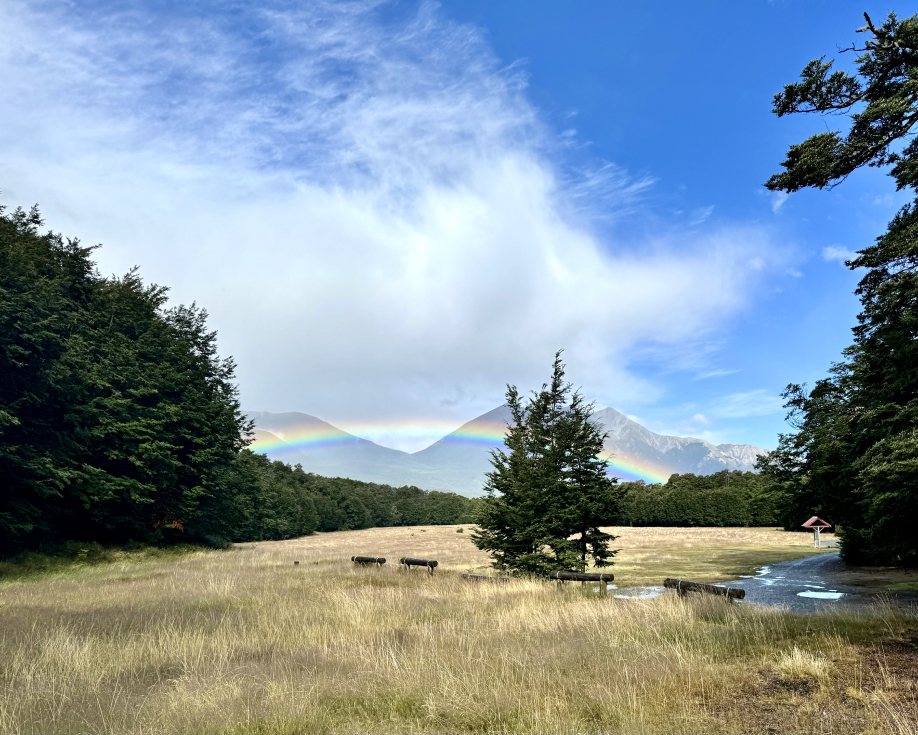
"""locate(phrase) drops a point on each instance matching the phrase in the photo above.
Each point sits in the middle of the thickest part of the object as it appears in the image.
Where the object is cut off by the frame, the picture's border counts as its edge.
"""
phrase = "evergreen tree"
(854, 456)
(548, 495)
(118, 420)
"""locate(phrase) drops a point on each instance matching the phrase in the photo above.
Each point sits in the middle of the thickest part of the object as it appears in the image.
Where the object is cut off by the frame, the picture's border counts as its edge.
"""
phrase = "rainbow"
(628, 469)
(268, 442)
(488, 435)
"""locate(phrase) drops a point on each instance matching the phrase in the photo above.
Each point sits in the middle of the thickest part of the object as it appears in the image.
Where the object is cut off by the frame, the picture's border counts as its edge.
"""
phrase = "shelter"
(816, 524)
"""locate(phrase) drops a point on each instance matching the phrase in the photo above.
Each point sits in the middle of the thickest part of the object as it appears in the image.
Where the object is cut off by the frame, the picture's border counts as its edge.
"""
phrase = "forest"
(727, 498)
(120, 422)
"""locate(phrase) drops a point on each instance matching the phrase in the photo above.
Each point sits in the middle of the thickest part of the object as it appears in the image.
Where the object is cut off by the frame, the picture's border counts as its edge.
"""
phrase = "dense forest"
(119, 421)
(727, 498)
(272, 500)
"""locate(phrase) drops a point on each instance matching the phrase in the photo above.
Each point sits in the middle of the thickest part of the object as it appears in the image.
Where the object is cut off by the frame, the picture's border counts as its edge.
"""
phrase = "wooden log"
(682, 586)
(368, 559)
(484, 578)
(581, 576)
(409, 562)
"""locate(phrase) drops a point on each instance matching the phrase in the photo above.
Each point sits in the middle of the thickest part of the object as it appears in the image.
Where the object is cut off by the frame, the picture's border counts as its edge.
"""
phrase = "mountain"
(459, 460)
(638, 451)
(465, 455)
(319, 447)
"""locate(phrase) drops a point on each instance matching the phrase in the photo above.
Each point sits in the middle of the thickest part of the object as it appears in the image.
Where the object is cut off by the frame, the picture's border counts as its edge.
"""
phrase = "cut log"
(682, 586)
(409, 562)
(484, 578)
(368, 559)
(582, 576)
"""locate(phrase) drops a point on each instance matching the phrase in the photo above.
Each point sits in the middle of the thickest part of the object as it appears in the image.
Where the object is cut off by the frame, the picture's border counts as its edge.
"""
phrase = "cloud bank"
(382, 228)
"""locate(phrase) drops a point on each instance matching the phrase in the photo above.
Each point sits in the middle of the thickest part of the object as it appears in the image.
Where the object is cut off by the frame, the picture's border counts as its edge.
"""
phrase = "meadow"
(246, 641)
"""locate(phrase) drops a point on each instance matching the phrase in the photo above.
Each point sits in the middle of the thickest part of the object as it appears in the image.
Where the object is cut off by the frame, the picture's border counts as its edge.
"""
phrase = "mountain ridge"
(458, 461)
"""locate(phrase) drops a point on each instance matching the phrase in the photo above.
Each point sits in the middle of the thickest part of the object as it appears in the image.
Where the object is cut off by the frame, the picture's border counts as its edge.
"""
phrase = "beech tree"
(853, 458)
(549, 493)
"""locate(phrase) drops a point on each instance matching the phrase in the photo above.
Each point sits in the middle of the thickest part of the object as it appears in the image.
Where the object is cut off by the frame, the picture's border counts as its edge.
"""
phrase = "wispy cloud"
(700, 215)
(833, 252)
(379, 222)
(715, 374)
(777, 200)
(751, 403)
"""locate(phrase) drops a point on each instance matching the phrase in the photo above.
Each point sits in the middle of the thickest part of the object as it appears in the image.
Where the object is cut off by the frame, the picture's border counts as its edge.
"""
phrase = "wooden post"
(377, 560)
(409, 562)
(582, 576)
(683, 586)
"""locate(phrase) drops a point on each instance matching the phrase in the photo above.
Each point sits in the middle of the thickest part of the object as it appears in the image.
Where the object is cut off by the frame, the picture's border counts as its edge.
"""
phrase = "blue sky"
(391, 210)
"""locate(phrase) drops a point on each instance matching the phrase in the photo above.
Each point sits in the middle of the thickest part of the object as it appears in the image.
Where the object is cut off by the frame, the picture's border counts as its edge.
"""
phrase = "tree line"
(272, 500)
(120, 422)
(726, 498)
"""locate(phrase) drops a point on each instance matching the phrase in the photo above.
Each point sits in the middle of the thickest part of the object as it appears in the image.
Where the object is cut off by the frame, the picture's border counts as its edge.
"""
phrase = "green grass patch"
(701, 564)
(903, 587)
(74, 558)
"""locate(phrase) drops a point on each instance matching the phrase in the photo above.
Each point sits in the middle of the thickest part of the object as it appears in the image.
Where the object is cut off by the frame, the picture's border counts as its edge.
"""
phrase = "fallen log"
(410, 562)
(682, 586)
(368, 559)
(581, 576)
(484, 578)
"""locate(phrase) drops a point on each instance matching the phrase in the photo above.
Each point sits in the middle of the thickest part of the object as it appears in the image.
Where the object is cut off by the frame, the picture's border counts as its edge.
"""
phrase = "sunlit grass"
(246, 641)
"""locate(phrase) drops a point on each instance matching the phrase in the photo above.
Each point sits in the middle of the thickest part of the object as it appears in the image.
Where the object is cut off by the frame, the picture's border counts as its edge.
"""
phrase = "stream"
(812, 584)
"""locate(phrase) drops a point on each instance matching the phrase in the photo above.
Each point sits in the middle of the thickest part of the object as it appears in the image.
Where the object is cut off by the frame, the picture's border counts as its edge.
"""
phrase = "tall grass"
(244, 641)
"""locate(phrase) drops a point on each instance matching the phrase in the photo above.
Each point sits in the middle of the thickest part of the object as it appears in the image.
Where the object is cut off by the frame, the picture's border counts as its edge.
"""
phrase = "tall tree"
(854, 456)
(118, 420)
(548, 495)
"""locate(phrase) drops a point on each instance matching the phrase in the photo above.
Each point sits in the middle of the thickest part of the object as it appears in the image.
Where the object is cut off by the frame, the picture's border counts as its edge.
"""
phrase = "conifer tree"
(853, 458)
(549, 493)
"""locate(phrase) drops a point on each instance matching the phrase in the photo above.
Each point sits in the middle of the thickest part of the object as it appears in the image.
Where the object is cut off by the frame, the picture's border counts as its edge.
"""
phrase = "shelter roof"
(816, 522)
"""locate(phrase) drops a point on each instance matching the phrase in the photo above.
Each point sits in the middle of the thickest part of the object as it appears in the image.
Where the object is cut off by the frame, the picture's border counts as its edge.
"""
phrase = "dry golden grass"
(647, 556)
(244, 641)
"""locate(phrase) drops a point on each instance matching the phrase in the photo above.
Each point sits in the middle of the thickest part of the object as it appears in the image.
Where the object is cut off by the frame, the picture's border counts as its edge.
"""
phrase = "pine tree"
(549, 493)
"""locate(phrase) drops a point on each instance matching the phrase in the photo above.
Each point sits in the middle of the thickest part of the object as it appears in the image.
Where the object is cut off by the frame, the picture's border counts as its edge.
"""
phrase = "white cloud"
(700, 215)
(834, 252)
(751, 403)
(715, 374)
(377, 221)
(777, 200)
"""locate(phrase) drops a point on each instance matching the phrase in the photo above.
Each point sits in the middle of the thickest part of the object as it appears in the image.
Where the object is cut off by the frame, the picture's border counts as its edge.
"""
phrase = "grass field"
(647, 556)
(244, 641)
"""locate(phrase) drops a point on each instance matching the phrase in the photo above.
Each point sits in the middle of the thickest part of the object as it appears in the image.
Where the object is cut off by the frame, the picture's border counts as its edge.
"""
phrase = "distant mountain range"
(459, 461)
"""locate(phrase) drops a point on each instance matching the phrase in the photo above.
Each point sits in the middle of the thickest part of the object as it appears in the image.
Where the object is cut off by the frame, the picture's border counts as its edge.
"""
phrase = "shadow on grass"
(71, 557)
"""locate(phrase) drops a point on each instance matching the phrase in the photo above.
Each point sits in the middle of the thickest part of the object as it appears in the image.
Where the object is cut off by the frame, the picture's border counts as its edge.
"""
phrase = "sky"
(391, 210)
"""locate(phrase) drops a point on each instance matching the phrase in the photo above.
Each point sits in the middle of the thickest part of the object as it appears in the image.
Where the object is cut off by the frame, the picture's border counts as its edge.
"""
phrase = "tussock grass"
(244, 641)
(79, 557)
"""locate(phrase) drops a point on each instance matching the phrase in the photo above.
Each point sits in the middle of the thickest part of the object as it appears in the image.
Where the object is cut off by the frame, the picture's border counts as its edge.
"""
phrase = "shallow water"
(639, 593)
(818, 582)
(821, 595)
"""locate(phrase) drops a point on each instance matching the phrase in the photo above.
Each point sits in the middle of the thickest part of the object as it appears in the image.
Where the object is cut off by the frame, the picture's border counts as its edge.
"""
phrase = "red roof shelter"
(816, 524)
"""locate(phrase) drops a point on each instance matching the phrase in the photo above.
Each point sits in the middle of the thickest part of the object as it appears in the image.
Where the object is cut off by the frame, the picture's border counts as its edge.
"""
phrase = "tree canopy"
(853, 458)
(548, 495)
